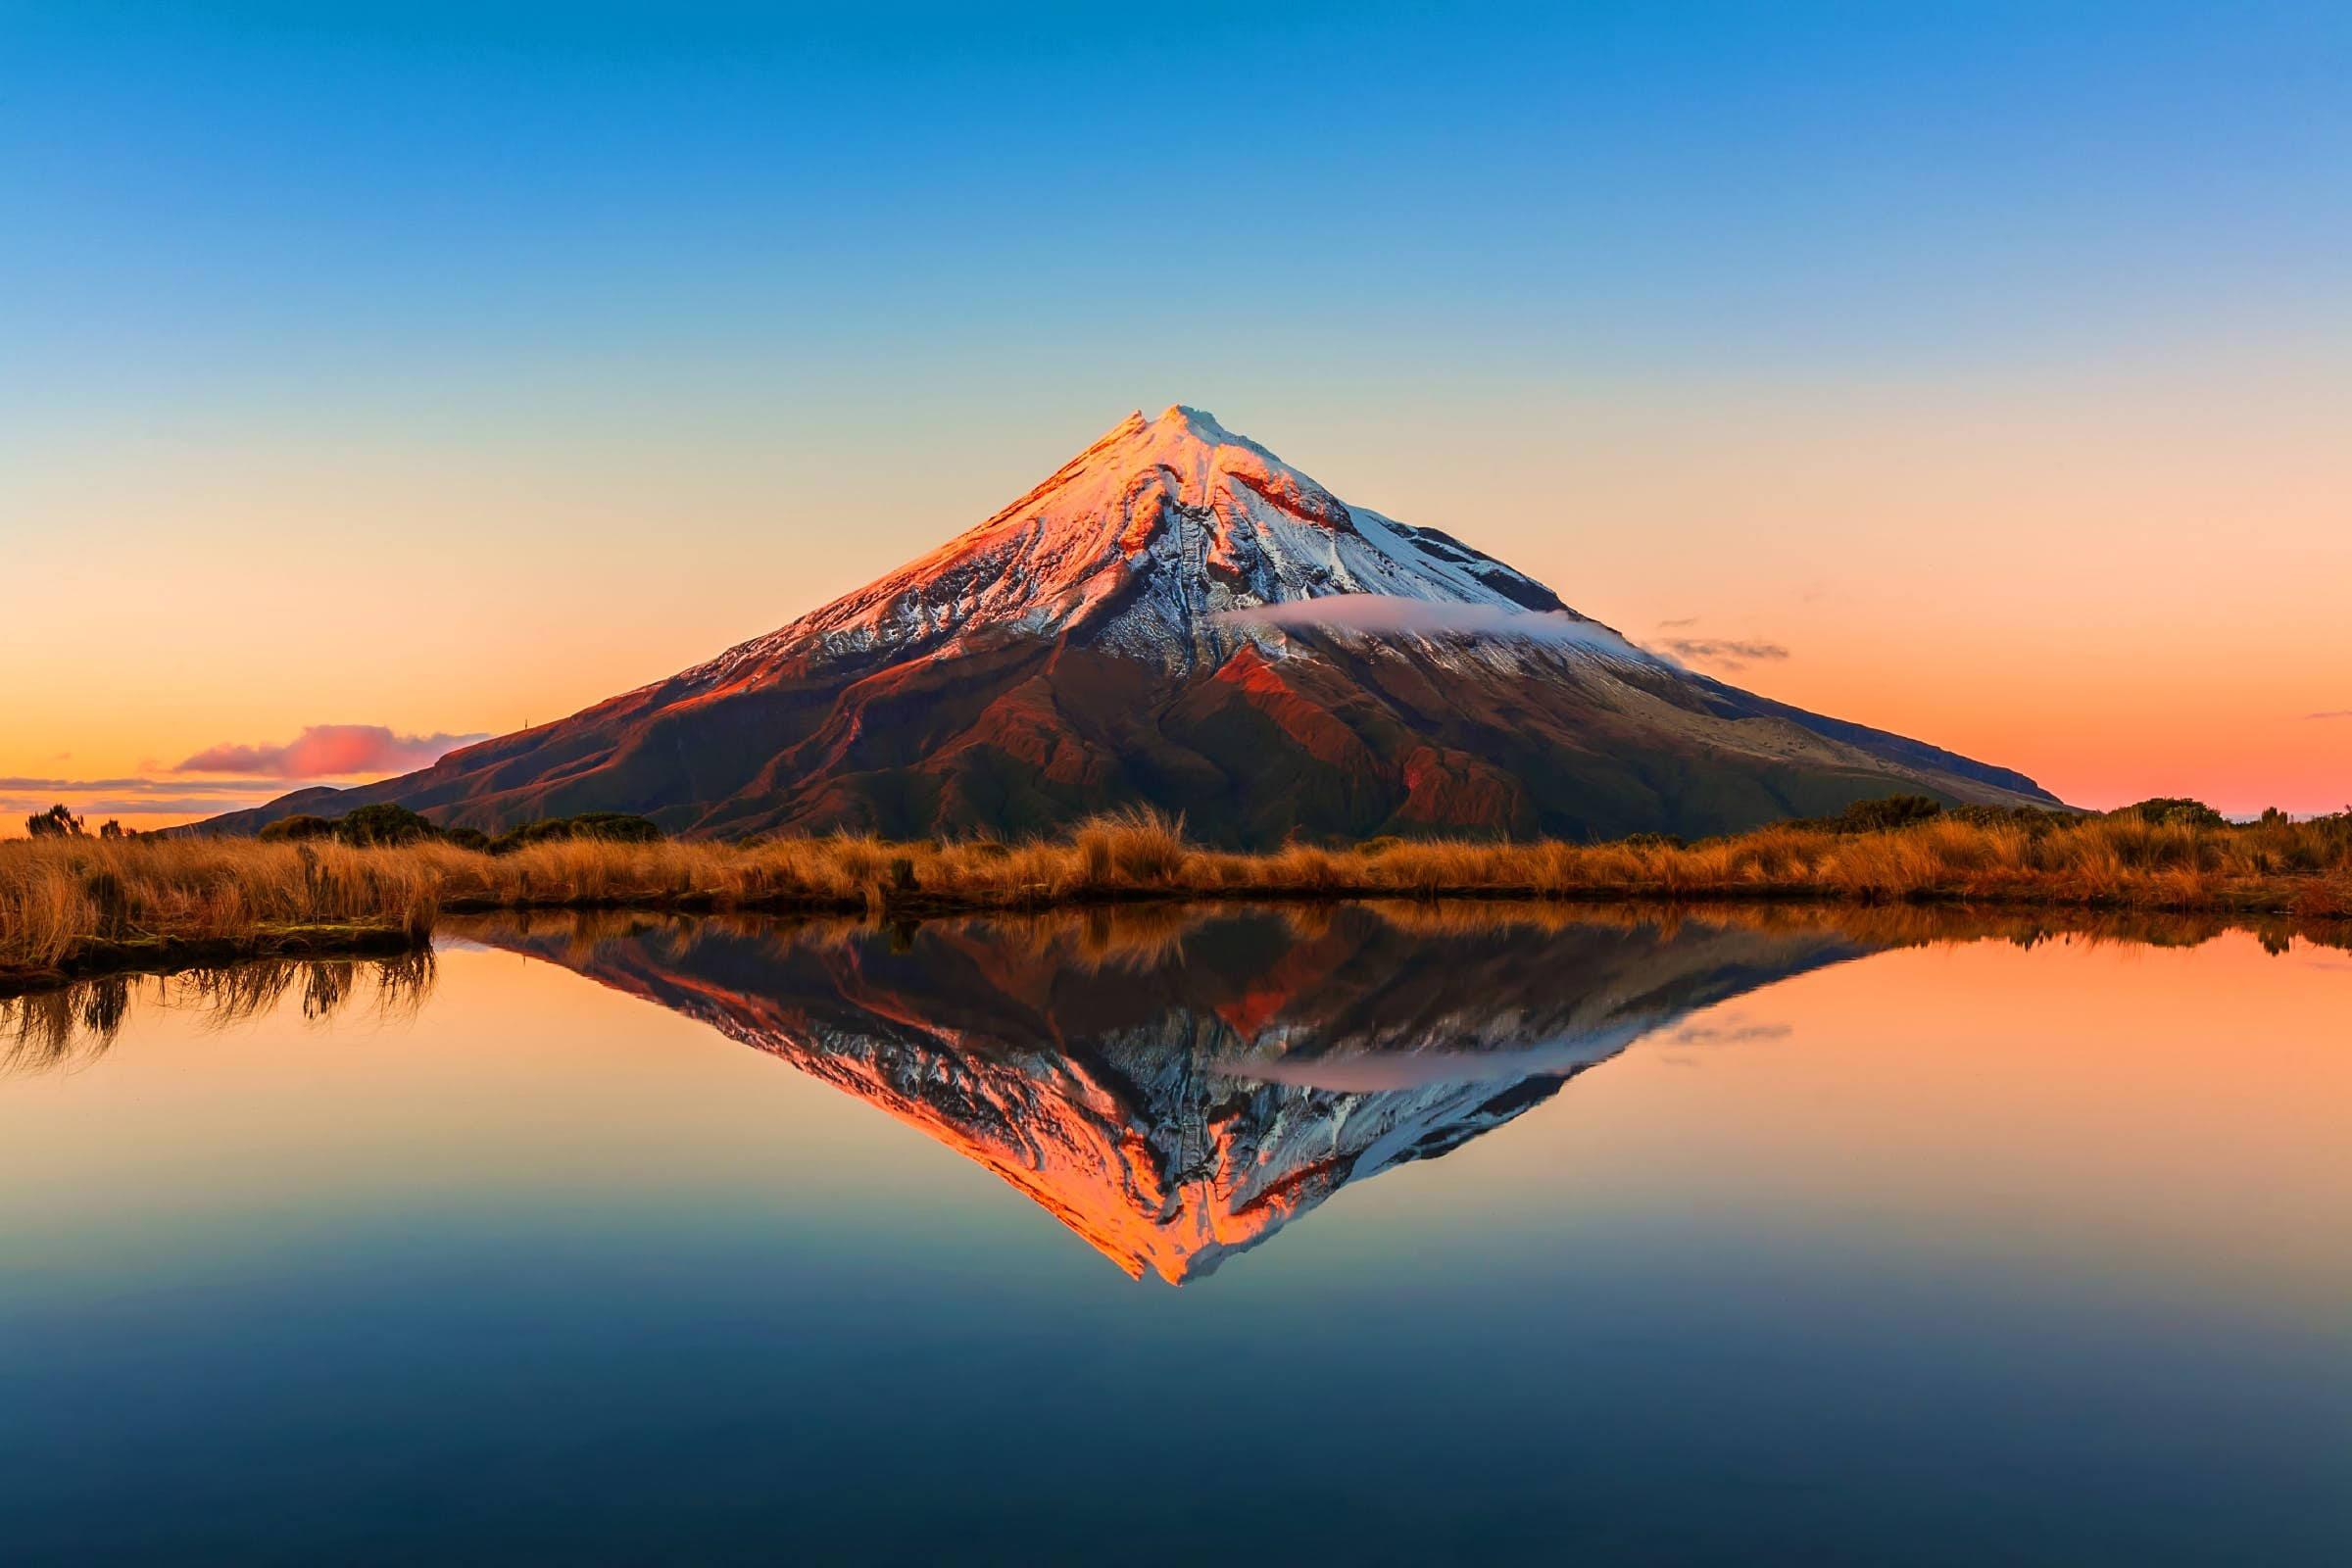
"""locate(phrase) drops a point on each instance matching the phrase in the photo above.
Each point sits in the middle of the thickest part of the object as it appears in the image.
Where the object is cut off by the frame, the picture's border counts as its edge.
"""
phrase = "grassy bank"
(81, 905)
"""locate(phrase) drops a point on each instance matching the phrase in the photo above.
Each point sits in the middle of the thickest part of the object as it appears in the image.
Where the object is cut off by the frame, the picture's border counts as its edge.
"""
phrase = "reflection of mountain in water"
(1179, 1100)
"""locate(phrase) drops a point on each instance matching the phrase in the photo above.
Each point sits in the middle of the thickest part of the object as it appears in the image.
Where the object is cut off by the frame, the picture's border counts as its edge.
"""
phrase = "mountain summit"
(1178, 616)
(1138, 544)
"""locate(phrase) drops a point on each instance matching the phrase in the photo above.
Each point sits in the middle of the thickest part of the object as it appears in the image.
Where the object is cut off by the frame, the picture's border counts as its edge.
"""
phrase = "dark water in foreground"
(1182, 1238)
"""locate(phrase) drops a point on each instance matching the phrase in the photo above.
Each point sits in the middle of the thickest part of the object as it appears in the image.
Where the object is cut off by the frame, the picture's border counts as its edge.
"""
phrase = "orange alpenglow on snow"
(1179, 1103)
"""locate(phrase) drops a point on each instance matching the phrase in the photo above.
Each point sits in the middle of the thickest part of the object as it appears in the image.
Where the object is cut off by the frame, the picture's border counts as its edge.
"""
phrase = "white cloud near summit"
(1385, 615)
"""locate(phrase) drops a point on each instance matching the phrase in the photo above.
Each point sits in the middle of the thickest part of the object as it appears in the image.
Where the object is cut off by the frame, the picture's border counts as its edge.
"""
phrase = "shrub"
(384, 823)
(1886, 813)
(2030, 818)
(466, 838)
(621, 827)
(1653, 840)
(296, 829)
(618, 827)
(57, 822)
(2172, 811)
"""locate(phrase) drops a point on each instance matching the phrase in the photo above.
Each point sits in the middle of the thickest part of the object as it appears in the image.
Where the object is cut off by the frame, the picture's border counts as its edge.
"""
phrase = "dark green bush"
(1886, 813)
(384, 823)
(57, 822)
(1653, 840)
(2172, 811)
(2032, 819)
(295, 829)
(619, 827)
(466, 838)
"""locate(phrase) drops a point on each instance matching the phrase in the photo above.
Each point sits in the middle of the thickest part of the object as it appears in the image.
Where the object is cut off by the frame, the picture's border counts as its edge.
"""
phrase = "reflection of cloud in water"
(1360, 1073)
(1729, 1032)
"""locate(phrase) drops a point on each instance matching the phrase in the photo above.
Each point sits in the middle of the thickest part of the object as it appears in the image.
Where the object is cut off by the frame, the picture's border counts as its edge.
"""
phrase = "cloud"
(329, 751)
(96, 808)
(1724, 651)
(145, 786)
(2333, 712)
(1382, 615)
(100, 798)
(1728, 1033)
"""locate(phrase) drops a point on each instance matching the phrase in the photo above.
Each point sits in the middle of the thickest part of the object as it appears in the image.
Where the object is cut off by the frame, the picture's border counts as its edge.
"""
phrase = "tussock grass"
(84, 903)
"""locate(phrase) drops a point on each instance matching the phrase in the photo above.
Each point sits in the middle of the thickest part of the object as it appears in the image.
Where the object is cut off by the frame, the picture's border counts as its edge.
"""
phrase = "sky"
(375, 376)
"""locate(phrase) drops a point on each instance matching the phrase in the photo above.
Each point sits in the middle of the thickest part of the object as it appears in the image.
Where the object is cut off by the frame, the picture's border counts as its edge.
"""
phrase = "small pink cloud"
(330, 751)
(1722, 652)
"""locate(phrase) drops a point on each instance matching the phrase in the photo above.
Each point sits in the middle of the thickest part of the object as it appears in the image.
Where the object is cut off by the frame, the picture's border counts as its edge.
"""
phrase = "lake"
(1391, 1235)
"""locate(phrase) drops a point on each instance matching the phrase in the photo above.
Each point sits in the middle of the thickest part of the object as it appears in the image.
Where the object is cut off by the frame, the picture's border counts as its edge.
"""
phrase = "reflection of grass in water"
(157, 902)
(73, 1025)
(51, 1029)
(1141, 937)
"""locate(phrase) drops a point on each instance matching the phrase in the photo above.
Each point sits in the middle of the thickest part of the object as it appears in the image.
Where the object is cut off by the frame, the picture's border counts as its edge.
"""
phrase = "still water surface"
(1176, 1236)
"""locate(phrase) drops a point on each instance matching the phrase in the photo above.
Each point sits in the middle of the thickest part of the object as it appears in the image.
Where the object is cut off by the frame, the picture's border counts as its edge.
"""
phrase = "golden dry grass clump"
(68, 903)
(61, 897)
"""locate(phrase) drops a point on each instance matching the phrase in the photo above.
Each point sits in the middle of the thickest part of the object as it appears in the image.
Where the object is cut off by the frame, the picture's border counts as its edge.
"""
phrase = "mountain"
(1135, 630)
(1180, 1095)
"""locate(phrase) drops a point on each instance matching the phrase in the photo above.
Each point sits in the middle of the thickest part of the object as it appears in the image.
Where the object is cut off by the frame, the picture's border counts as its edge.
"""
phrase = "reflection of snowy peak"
(1134, 544)
(1134, 631)
(1139, 1144)
(1180, 1106)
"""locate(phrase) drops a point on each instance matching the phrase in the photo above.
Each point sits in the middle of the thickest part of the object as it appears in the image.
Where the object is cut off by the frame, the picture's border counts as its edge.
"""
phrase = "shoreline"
(102, 958)
(77, 907)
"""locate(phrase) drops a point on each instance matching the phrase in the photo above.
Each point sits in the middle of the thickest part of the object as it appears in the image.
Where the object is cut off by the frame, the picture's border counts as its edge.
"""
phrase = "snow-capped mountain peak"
(1177, 616)
(1143, 544)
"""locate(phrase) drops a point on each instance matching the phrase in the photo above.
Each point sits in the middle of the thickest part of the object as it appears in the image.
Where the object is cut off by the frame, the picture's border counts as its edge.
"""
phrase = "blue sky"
(253, 199)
